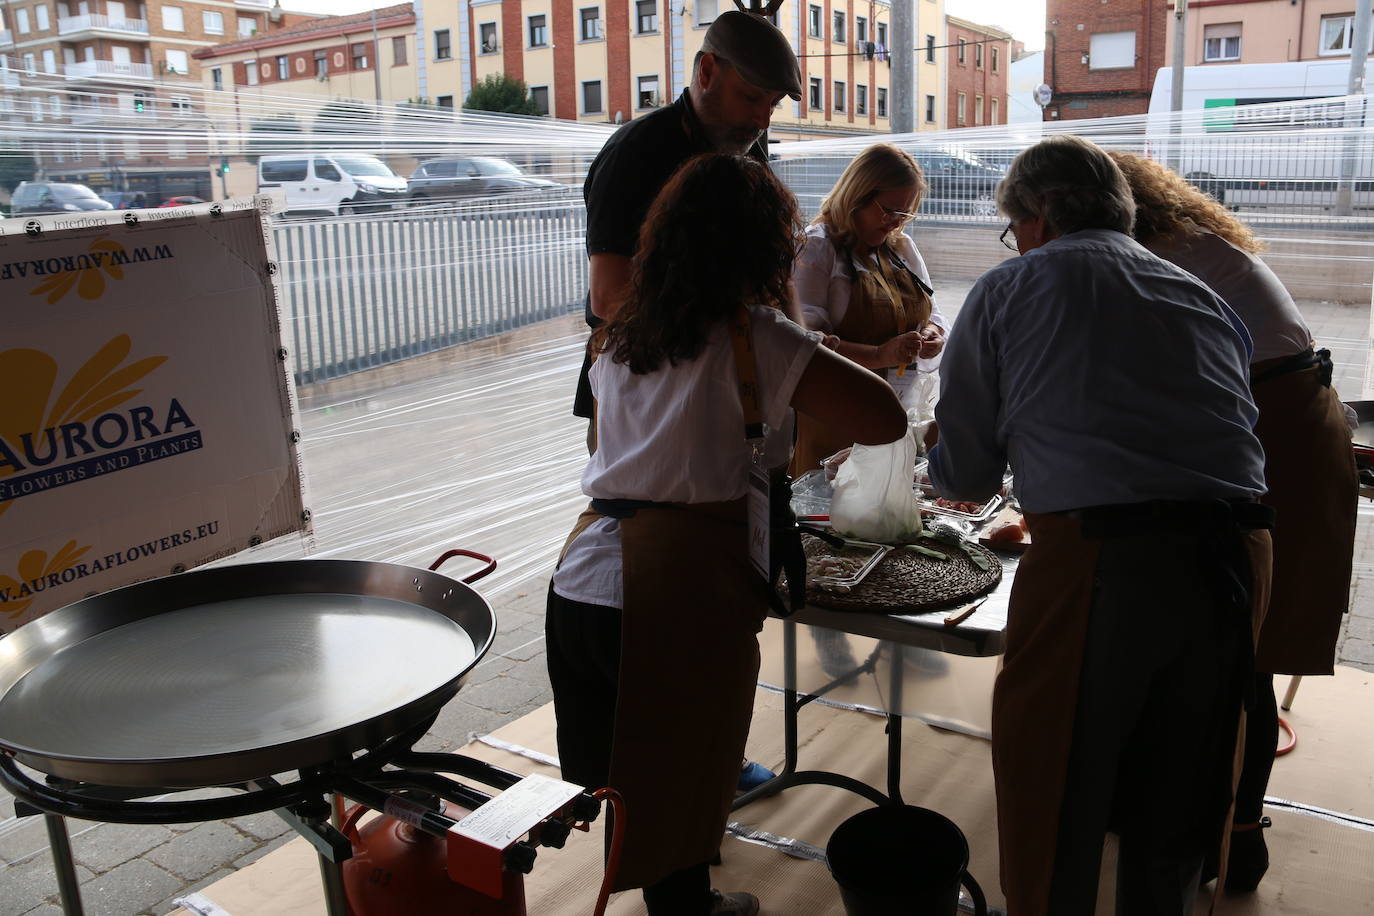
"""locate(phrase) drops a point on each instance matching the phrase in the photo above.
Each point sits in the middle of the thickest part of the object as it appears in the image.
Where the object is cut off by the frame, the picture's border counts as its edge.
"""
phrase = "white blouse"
(823, 283)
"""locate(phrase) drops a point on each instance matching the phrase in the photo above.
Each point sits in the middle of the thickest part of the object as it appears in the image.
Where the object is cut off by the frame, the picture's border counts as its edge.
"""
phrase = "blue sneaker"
(752, 775)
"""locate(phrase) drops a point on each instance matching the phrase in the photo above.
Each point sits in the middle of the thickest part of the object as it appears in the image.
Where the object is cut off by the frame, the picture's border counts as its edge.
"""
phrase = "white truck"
(1266, 135)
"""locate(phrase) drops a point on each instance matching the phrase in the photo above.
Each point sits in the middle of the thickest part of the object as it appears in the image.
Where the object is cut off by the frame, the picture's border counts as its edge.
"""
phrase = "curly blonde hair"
(880, 167)
(1167, 205)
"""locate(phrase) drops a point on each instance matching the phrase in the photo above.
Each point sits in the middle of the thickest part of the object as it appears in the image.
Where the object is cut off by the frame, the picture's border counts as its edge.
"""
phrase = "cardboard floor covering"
(1320, 863)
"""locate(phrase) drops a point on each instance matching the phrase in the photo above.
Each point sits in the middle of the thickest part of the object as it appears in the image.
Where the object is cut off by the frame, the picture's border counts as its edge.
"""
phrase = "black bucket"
(901, 859)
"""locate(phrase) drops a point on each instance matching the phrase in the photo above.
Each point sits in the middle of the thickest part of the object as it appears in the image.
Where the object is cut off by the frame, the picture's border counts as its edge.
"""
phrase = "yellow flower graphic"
(35, 565)
(89, 281)
(28, 379)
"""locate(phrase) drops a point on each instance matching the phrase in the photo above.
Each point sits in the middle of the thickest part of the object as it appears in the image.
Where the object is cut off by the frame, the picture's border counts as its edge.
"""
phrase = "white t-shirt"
(677, 435)
(823, 283)
(1248, 286)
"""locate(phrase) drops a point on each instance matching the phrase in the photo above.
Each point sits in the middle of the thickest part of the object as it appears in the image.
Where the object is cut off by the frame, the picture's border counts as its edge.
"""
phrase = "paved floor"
(474, 448)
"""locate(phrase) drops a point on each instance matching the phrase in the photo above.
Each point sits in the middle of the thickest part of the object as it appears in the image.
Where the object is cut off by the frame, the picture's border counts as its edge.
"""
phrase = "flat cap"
(755, 48)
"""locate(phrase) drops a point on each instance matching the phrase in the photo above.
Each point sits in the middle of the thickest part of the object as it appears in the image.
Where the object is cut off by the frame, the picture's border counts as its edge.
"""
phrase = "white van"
(332, 182)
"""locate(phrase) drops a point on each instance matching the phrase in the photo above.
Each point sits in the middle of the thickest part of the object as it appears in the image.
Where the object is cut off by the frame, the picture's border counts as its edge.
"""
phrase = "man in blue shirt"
(1116, 387)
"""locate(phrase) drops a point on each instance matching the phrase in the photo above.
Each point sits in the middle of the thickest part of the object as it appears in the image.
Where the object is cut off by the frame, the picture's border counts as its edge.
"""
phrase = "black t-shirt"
(621, 185)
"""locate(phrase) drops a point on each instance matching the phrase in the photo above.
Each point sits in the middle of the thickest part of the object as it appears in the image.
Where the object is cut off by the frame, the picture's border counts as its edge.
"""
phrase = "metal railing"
(362, 292)
(69, 25)
(88, 69)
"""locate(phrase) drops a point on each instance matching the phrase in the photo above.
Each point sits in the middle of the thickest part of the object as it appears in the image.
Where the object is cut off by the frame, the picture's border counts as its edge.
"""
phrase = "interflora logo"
(93, 424)
(36, 573)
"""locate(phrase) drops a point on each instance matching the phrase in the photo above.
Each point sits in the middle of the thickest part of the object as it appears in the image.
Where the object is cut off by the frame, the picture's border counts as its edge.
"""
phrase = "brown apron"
(870, 319)
(1035, 695)
(689, 659)
(1309, 466)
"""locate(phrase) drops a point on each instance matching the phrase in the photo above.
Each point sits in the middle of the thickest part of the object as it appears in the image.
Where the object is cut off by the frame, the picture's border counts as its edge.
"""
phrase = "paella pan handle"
(459, 552)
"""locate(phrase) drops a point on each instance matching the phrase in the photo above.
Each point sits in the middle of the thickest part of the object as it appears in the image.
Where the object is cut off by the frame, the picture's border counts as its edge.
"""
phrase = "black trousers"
(1153, 731)
(584, 670)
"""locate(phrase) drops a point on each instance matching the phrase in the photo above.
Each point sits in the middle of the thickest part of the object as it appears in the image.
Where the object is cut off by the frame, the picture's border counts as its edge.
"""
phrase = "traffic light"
(224, 166)
(138, 104)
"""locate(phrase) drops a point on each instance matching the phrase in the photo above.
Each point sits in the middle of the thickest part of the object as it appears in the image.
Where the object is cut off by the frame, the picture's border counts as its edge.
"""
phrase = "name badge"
(759, 520)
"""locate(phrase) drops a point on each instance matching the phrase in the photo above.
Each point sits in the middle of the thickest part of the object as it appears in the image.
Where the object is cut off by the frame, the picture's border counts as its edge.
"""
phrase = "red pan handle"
(459, 552)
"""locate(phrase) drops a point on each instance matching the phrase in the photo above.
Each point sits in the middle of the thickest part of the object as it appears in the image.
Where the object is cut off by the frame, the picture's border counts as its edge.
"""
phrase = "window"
(216, 78)
(930, 49)
(489, 43)
(882, 34)
(360, 57)
(977, 109)
(882, 101)
(444, 101)
(247, 26)
(398, 51)
(180, 104)
(539, 31)
(539, 95)
(21, 21)
(213, 22)
(860, 29)
(930, 109)
(837, 99)
(321, 63)
(283, 67)
(50, 63)
(814, 99)
(646, 15)
(996, 60)
(591, 97)
(40, 16)
(707, 10)
(837, 28)
(963, 50)
(442, 49)
(1336, 35)
(172, 19)
(992, 111)
(177, 62)
(861, 99)
(29, 67)
(1111, 49)
(813, 21)
(250, 72)
(959, 117)
(591, 24)
(283, 169)
(648, 92)
(978, 55)
(1221, 42)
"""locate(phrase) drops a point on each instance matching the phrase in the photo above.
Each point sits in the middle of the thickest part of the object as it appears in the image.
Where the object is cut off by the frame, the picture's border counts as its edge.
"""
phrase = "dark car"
(960, 184)
(449, 179)
(33, 198)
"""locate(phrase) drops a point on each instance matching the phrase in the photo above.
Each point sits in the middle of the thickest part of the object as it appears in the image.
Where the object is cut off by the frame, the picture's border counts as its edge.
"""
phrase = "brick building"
(979, 56)
(1101, 56)
(1264, 32)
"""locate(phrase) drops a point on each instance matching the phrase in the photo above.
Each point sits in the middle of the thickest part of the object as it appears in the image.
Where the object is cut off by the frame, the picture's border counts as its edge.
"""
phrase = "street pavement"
(477, 449)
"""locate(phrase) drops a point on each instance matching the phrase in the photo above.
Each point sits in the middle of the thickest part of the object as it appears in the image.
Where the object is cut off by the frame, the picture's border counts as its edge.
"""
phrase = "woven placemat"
(906, 581)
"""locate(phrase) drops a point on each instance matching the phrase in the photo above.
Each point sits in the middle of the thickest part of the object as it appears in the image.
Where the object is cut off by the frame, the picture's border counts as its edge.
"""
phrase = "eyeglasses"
(899, 216)
(1003, 238)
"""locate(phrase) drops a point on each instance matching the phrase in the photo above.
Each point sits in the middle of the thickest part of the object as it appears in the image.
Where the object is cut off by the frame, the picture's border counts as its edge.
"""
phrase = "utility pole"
(903, 78)
(1354, 109)
(1176, 84)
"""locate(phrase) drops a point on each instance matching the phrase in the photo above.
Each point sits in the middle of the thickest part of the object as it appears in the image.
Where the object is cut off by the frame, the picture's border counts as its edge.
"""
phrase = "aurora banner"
(146, 418)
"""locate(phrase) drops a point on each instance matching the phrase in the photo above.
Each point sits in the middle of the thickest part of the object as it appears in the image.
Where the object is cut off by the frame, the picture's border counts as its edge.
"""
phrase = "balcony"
(254, 4)
(110, 70)
(97, 26)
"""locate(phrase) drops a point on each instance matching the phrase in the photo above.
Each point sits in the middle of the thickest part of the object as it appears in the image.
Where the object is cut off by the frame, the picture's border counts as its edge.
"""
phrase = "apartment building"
(91, 74)
(1101, 58)
(611, 60)
(1264, 32)
(979, 57)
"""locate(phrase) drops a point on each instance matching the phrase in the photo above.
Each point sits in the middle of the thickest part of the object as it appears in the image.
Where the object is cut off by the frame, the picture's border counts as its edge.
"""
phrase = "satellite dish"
(1042, 94)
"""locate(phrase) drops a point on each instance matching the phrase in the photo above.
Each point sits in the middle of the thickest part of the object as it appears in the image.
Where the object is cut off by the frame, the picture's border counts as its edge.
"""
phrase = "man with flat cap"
(744, 69)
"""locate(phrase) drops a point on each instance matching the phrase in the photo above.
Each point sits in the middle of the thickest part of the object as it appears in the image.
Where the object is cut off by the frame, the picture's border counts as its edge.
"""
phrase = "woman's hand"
(932, 342)
(901, 350)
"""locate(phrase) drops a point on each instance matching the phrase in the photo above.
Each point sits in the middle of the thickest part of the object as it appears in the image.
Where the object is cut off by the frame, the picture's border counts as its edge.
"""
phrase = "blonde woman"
(860, 279)
(1309, 466)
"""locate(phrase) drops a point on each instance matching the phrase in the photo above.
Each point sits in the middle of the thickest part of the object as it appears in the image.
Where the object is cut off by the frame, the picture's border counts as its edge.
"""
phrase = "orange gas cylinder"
(397, 870)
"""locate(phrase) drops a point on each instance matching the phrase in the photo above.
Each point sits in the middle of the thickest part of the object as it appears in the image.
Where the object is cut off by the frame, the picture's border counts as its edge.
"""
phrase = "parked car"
(960, 184)
(447, 179)
(183, 201)
(332, 182)
(32, 198)
(125, 200)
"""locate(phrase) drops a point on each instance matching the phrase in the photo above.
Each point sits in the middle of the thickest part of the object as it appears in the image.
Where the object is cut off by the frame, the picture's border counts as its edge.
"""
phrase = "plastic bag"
(919, 400)
(874, 499)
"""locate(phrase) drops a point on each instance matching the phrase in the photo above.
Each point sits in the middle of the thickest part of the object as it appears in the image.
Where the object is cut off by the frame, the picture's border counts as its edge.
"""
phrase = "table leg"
(894, 727)
(69, 888)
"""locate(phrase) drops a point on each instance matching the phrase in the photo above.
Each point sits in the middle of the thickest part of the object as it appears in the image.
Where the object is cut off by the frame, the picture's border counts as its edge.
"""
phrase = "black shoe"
(1249, 858)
